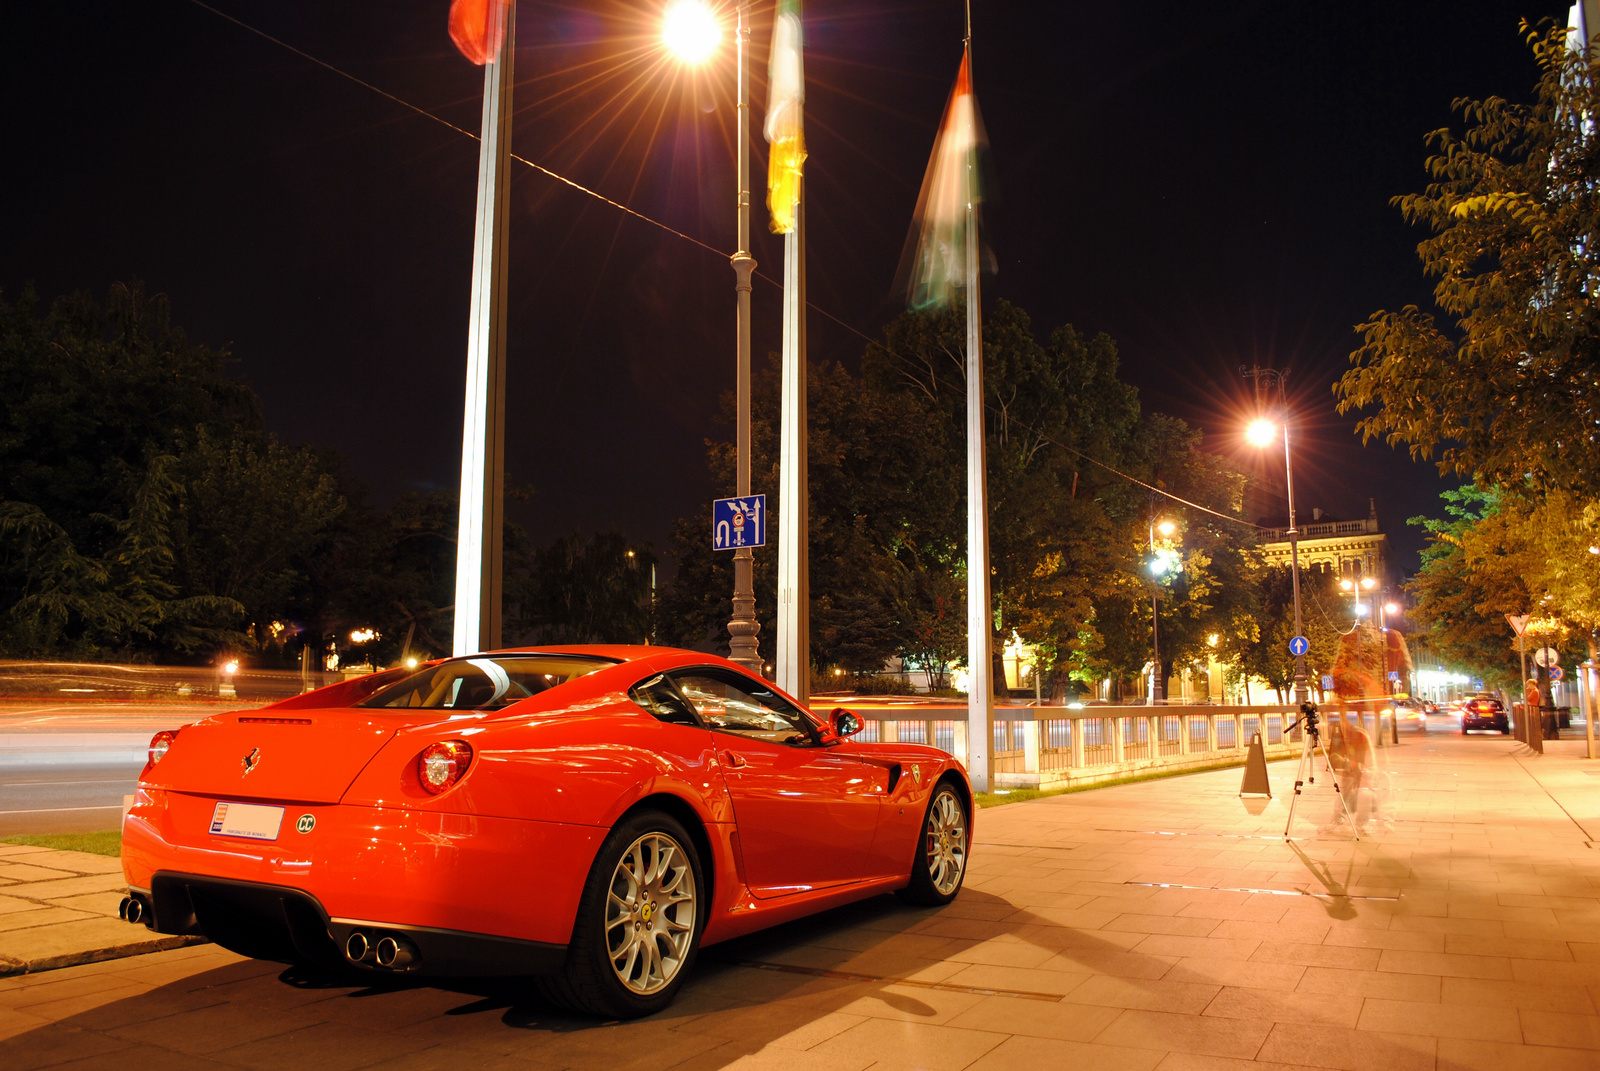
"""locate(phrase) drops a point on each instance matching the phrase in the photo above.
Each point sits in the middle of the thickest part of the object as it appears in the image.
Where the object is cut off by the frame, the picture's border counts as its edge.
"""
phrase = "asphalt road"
(64, 768)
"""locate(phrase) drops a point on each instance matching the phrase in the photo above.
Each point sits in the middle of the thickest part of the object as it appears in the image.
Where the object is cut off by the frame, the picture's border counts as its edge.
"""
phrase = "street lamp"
(1262, 432)
(691, 32)
(1162, 561)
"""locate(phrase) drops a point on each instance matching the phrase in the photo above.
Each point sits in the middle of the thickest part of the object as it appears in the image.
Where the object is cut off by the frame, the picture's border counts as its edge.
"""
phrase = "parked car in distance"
(1484, 711)
(1408, 714)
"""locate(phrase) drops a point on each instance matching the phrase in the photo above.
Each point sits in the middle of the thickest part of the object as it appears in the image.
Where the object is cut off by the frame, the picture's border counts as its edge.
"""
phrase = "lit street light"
(1261, 433)
(1163, 560)
(691, 32)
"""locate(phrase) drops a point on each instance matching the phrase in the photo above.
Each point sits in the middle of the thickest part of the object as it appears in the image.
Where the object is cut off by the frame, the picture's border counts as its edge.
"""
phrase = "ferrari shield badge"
(916, 774)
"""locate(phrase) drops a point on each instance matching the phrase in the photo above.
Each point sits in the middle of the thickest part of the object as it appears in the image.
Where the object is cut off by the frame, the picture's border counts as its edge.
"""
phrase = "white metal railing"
(1049, 747)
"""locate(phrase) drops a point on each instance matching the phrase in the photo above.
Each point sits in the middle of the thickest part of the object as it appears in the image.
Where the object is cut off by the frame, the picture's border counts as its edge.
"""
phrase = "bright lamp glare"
(690, 31)
(1166, 528)
(1391, 608)
(1261, 432)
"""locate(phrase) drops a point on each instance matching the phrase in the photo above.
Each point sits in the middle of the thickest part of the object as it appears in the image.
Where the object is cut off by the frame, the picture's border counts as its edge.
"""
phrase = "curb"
(11, 967)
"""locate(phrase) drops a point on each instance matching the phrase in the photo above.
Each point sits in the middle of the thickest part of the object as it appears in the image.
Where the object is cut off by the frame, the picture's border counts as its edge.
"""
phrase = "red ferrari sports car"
(590, 816)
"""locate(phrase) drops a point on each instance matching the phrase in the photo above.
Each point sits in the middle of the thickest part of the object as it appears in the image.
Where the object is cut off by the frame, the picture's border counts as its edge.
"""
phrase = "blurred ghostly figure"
(1361, 677)
(1350, 751)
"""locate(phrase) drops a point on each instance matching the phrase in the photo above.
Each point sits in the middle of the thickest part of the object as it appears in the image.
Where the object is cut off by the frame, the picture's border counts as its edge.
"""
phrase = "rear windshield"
(485, 682)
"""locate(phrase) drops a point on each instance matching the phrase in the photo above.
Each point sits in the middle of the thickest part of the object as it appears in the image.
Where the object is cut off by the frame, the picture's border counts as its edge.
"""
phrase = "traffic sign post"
(1299, 646)
(1545, 657)
(739, 523)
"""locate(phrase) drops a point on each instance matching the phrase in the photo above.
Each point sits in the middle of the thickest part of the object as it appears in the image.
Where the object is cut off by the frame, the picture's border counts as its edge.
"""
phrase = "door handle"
(734, 760)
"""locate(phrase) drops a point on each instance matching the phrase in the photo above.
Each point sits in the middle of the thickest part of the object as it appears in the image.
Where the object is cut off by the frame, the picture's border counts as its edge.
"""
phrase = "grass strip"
(107, 842)
(1020, 795)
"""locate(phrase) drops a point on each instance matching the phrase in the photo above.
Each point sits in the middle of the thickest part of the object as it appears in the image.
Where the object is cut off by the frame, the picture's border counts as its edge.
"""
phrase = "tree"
(589, 589)
(1466, 586)
(1514, 210)
(249, 514)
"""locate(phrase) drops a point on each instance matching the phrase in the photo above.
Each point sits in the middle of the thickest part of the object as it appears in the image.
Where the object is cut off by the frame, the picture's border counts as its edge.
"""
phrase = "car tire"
(944, 845)
(631, 951)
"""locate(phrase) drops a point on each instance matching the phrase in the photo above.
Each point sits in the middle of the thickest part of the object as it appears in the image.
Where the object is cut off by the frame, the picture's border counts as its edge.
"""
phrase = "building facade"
(1327, 544)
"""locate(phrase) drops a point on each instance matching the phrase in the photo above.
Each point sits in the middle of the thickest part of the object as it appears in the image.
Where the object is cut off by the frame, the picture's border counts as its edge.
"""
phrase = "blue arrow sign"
(739, 522)
(1299, 646)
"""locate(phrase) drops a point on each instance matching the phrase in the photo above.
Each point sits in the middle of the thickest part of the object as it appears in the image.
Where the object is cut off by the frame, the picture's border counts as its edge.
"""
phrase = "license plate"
(249, 820)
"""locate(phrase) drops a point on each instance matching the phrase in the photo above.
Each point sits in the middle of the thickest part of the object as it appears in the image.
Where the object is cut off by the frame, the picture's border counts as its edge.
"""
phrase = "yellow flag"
(785, 127)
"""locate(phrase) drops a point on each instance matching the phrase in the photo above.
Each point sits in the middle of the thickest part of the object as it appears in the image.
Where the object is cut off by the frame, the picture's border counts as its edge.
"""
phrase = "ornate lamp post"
(1162, 562)
(691, 31)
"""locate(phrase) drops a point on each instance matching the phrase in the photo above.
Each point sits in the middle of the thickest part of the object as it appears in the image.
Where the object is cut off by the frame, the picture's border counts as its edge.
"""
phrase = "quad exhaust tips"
(391, 953)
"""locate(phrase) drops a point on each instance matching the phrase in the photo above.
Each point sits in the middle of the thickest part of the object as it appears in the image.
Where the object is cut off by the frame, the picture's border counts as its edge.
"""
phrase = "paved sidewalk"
(59, 908)
(1157, 925)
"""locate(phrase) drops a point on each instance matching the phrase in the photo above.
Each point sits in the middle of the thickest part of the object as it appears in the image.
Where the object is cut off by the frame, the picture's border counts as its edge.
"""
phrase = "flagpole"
(980, 666)
(480, 529)
(793, 655)
(794, 582)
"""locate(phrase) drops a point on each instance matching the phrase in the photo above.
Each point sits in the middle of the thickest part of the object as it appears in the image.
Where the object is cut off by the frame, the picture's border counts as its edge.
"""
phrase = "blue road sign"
(1394, 674)
(739, 522)
(1327, 683)
(1299, 646)
(1556, 673)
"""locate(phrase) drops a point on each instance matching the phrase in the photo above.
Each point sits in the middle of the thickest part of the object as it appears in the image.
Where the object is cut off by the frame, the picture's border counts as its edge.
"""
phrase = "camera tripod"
(1306, 772)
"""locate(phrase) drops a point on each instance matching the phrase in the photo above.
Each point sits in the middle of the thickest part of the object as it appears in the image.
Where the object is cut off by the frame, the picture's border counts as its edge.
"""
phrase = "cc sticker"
(306, 823)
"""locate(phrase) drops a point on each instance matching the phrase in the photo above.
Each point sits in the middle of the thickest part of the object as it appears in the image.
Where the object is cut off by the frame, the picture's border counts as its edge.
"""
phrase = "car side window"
(659, 698)
(732, 703)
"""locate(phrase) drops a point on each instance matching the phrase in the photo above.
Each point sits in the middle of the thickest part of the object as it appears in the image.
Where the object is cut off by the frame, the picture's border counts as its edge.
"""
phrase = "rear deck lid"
(306, 756)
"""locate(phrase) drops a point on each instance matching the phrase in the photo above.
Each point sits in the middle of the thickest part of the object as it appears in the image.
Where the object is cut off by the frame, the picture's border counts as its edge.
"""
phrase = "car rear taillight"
(442, 765)
(160, 744)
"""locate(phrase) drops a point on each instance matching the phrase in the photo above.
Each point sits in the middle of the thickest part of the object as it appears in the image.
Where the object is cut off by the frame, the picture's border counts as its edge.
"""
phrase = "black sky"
(1208, 183)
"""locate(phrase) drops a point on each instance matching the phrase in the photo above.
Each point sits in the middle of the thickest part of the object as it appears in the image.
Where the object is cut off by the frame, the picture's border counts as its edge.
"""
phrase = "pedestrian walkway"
(1165, 925)
(58, 909)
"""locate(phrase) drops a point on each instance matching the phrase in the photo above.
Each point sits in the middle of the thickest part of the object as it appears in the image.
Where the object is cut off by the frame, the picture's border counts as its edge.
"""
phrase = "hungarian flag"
(785, 126)
(476, 27)
(933, 265)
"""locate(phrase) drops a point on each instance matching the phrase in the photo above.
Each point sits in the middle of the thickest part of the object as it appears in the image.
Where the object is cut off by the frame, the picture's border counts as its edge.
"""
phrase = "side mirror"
(845, 722)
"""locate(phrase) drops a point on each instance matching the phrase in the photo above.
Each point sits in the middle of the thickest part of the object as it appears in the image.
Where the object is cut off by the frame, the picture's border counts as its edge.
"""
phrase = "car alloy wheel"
(651, 908)
(940, 864)
(638, 924)
(946, 834)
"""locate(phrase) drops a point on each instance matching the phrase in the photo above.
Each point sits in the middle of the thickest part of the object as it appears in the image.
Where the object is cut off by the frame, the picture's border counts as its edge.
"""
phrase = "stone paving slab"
(1164, 925)
(59, 909)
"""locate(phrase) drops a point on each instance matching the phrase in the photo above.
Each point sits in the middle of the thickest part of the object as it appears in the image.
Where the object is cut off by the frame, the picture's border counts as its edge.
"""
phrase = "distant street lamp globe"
(1261, 432)
(690, 31)
(1391, 608)
(1166, 528)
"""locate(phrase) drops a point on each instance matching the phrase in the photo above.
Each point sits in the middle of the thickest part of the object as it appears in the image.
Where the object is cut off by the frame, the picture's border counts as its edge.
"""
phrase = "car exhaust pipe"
(358, 949)
(131, 909)
(395, 952)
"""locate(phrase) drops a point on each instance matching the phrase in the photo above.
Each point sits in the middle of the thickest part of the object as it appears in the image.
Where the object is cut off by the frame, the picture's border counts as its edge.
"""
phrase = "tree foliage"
(1506, 391)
